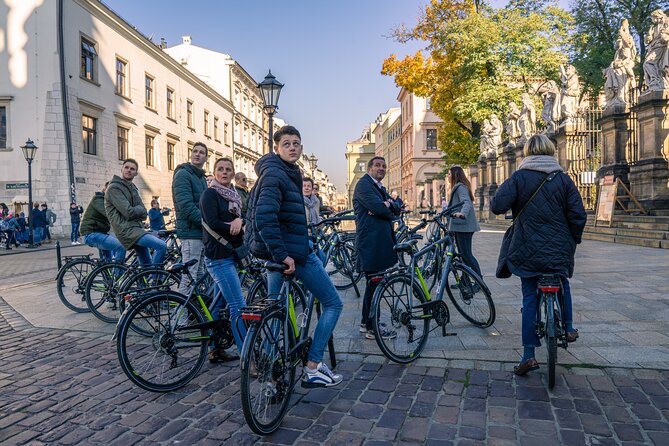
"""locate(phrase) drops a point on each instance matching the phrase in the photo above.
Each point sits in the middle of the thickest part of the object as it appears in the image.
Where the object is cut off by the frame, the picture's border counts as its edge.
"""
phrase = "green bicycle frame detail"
(423, 285)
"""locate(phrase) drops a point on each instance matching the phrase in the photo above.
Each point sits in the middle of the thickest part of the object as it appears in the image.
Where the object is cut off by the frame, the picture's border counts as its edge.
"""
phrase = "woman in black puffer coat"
(545, 236)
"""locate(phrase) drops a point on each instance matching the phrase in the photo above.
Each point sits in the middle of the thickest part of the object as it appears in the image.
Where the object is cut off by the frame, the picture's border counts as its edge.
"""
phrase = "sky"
(327, 53)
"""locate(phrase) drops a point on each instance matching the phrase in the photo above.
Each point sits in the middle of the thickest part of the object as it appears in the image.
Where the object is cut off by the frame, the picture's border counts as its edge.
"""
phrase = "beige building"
(228, 78)
(358, 153)
(387, 135)
(106, 94)
(421, 164)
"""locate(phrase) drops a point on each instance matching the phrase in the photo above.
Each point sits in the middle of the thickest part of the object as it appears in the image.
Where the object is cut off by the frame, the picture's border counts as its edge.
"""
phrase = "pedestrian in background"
(39, 223)
(396, 198)
(75, 221)
(464, 223)
(95, 229)
(22, 236)
(156, 220)
(50, 221)
(241, 186)
(10, 227)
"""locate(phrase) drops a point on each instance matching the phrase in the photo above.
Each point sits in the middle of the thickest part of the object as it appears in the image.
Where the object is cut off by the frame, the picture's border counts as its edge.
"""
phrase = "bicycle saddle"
(179, 267)
(164, 233)
(276, 267)
(405, 247)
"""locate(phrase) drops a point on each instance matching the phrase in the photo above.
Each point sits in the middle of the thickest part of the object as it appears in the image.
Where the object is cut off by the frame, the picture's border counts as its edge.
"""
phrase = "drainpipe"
(64, 102)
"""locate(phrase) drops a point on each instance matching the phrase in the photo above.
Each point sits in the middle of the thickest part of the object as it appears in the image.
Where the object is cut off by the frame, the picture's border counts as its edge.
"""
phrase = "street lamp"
(313, 162)
(29, 150)
(270, 89)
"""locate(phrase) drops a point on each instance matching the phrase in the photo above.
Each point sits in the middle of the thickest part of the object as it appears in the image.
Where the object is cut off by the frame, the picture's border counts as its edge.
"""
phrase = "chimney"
(185, 40)
(163, 43)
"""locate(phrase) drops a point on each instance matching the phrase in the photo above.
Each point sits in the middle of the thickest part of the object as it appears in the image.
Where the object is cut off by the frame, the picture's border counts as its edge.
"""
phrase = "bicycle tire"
(410, 340)
(472, 299)
(266, 397)
(171, 357)
(551, 340)
(70, 283)
(341, 267)
(102, 291)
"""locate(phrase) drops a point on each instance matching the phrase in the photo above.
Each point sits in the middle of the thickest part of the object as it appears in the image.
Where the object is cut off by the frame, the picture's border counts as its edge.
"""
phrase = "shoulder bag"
(503, 271)
(242, 255)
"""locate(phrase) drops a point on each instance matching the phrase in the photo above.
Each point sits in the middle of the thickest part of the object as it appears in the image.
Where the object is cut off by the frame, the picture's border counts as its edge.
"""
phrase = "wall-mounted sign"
(13, 186)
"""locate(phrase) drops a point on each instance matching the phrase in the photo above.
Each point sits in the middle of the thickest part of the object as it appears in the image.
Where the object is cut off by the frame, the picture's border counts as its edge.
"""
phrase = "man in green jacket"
(126, 214)
(95, 229)
(187, 186)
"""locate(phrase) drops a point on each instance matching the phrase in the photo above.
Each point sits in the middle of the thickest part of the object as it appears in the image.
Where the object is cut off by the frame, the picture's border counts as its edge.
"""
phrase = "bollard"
(58, 259)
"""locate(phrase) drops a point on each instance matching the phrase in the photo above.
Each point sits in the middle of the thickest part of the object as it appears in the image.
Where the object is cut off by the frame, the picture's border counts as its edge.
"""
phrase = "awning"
(24, 199)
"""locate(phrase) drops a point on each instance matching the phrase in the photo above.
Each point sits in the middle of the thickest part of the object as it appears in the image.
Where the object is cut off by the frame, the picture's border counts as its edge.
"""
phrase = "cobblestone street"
(60, 382)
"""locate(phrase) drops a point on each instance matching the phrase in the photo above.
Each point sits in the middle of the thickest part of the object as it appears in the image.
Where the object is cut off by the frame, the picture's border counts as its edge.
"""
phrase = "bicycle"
(402, 300)
(276, 343)
(339, 252)
(71, 279)
(550, 324)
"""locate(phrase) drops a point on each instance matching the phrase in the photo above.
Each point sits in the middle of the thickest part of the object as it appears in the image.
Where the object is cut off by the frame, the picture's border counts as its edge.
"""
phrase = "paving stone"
(534, 410)
(414, 429)
(587, 406)
(627, 432)
(375, 397)
(501, 415)
(392, 418)
(595, 424)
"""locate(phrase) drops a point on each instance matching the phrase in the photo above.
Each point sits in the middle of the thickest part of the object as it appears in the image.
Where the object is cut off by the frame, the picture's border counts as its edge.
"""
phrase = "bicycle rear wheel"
(391, 312)
(267, 373)
(341, 267)
(174, 354)
(70, 283)
(142, 284)
(102, 291)
(551, 339)
(470, 295)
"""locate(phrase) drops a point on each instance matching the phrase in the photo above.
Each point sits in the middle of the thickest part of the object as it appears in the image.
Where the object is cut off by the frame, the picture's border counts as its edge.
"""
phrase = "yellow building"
(358, 153)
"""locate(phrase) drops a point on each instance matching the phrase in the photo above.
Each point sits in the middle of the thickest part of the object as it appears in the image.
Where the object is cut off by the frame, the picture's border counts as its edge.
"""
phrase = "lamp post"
(270, 89)
(313, 163)
(29, 150)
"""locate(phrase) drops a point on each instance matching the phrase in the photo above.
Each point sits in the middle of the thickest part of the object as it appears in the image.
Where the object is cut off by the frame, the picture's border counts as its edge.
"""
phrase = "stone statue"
(656, 65)
(571, 90)
(528, 117)
(491, 135)
(550, 113)
(620, 79)
(512, 128)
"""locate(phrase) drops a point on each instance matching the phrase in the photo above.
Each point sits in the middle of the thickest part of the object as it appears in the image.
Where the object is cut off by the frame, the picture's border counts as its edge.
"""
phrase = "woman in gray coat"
(464, 225)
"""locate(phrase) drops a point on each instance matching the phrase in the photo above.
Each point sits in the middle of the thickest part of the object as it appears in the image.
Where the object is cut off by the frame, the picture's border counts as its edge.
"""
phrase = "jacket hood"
(190, 168)
(541, 163)
(273, 161)
(100, 194)
(118, 180)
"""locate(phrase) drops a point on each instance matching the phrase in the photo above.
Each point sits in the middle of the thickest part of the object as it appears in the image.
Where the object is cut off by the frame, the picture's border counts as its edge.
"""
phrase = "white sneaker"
(363, 328)
(385, 334)
(322, 376)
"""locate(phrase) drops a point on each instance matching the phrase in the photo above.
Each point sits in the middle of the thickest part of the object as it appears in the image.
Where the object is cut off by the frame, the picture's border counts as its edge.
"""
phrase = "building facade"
(106, 94)
(358, 154)
(388, 145)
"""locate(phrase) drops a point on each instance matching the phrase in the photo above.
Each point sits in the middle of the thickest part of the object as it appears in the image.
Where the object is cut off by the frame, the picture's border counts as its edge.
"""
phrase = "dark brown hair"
(457, 175)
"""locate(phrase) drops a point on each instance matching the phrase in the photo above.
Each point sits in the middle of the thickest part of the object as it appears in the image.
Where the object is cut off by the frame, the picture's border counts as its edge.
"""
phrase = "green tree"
(476, 60)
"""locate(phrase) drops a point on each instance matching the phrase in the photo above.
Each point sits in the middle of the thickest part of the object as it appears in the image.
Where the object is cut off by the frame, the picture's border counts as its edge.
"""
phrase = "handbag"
(241, 254)
(503, 271)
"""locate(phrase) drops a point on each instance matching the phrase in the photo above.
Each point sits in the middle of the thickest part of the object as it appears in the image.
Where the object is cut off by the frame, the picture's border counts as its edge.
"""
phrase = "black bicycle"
(550, 324)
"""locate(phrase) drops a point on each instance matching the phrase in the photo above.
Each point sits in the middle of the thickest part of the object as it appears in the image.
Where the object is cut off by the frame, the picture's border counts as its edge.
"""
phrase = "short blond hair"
(539, 145)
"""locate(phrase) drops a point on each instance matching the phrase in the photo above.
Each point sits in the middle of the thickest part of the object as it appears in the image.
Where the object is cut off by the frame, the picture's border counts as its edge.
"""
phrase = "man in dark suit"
(375, 211)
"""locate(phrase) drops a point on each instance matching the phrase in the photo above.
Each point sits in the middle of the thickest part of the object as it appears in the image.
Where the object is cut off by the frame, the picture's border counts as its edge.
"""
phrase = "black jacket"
(548, 229)
(374, 235)
(276, 209)
(215, 214)
(75, 214)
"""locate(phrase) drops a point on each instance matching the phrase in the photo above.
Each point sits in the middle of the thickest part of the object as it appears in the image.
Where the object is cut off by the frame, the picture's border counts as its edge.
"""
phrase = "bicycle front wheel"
(267, 374)
(341, 267)
(401, 326)
(70, 283)
(174, 353)
(470, 295)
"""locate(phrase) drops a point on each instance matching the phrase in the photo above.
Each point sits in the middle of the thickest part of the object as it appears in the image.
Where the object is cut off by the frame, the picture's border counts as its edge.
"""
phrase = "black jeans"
(370, 287)
(464, 242)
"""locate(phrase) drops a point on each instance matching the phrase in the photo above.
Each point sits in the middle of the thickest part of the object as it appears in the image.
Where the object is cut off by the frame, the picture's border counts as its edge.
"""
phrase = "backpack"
(50, 216)
(4, 225)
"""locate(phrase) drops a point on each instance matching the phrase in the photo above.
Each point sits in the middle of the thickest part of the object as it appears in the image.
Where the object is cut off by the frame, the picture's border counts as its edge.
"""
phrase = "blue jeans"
(146, 242)
(74, 236)
(315, 279)
(224, 273)
(109, 246)
(38, 235)
(531, 306)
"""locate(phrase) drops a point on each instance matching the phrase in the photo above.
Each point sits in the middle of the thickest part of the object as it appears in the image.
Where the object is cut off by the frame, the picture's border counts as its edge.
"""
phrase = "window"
(149, 100)
(88, 132)
(170, 156)
(225, 133)
(122, 138)
(170, 103)
(3, 127)
(217, 132)
(88, 60)
(431, 143)
(148, 144)
(361, 166)
(206, 123)
(190, 150)
(189, 114)
(121, 77)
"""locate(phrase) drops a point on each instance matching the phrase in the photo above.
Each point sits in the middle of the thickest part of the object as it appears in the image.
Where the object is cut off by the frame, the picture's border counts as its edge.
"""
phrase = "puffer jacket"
(125, 211)
(95, 217)
(276, 210)
(187, 186)
(551, 225)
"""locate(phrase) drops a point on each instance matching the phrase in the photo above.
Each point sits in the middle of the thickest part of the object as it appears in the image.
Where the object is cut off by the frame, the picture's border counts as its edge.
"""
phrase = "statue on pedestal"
(491, 135)
(656, 65)
(528, 117)
(571, 90)
(620, 79)
(512, 128)
(550, 112)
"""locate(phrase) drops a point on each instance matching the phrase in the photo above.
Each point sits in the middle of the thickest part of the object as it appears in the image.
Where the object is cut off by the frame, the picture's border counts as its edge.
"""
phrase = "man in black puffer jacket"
(279, 233)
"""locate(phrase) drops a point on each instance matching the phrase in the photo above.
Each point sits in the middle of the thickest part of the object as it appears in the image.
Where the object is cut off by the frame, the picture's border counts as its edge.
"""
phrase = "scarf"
(230, 195)
(541, 163)
(312, 205)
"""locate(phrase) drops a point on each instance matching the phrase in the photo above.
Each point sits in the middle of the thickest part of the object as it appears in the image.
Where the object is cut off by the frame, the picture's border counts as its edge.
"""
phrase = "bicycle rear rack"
(549, 283)
(259, 309)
